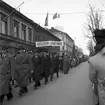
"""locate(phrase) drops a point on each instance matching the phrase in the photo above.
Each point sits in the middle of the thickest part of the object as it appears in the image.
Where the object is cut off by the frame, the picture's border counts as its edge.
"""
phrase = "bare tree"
(90, 47)
(94, 21)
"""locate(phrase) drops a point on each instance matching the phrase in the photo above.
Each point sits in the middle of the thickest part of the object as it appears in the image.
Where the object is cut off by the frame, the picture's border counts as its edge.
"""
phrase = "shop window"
(4, 24)
(16, 28)
(30, 34)
(23, 35)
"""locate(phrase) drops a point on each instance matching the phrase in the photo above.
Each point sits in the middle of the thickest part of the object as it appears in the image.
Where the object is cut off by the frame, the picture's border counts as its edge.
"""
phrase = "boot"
(57, 75)
(51, 78)
(46, 81)
(15, 85)
(35, 86)
(39, 84)
(9, 96)
(25, 89)
(29, 80)
(21, 91)
(1, 99)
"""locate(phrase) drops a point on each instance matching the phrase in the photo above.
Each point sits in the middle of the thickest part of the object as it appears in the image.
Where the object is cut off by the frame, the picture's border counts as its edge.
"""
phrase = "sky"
(71, 19)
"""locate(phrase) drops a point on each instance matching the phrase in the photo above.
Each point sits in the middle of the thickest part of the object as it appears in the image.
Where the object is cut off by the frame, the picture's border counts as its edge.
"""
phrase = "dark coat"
(13, 66)
(57, 65)
(57, 62)
(5, 75)
(53, 65)
(61, 63)
(46, 65)
(66, 65)
(23, 69)
(37, 68)
(53, 62)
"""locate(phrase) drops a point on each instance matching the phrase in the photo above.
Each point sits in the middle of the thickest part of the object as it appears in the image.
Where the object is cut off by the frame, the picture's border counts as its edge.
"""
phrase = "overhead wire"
(64, 13)
(14, 9)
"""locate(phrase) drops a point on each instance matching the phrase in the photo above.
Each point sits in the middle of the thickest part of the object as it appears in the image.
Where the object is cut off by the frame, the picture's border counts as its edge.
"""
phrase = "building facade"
(43, 34)
(68, 41)
(16, 29)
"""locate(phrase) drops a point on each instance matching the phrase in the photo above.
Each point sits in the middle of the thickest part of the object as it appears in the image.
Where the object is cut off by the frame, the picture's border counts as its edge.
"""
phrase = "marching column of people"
(25, 66)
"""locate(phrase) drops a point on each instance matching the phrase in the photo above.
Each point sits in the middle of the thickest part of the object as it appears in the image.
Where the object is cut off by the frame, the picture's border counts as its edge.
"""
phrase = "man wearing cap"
(5, 75)
(97, 67)
(37, 70)
(46, 64)
(23, 69)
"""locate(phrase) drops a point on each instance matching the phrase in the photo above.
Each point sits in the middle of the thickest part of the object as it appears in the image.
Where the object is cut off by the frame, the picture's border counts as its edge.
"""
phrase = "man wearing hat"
(46, 64)
(37, 70)
(97, 67)
(5, 75)
(23, 69)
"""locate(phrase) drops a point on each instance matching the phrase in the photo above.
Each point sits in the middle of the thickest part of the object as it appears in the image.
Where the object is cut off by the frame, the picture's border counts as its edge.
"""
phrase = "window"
(23, 32)
(16, 28)
(30, 34)
(4, 24)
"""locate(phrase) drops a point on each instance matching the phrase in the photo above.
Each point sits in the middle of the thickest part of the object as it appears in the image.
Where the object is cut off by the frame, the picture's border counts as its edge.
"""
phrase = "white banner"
(49, 43)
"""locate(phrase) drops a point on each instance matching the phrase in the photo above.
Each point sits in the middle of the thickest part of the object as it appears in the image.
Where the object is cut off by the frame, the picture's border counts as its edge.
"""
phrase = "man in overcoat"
(30, 53)
(23, 69)
(61, 63)
(66, 64)
(5, 75)
(53, 66)
(37, 70)
(46, 64)
(57, 65)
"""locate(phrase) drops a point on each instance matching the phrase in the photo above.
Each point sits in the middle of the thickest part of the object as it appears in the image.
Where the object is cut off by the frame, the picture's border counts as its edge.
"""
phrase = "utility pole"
(12, 11)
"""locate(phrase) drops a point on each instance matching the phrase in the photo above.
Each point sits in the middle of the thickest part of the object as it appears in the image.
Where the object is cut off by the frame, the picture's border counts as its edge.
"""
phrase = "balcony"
(13, 39)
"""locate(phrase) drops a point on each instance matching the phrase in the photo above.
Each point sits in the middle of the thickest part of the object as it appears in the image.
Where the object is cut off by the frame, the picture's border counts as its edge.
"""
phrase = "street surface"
(71, 89)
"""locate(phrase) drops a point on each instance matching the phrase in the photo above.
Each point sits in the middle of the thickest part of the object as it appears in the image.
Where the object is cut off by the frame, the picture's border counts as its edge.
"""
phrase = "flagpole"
(48, 18)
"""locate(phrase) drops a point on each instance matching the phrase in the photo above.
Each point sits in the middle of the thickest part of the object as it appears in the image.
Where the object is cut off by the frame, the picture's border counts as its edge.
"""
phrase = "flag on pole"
(56, 15)
(46, 20)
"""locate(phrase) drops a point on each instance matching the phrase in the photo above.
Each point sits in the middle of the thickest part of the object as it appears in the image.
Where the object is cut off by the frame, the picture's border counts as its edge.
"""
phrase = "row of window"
(18, 27)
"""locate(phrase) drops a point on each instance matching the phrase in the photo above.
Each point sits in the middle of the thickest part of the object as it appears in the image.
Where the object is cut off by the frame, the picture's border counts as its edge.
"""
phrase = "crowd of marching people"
(27, 66)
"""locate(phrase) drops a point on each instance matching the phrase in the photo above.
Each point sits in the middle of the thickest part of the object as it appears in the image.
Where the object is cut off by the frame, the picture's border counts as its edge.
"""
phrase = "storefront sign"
(49, 43)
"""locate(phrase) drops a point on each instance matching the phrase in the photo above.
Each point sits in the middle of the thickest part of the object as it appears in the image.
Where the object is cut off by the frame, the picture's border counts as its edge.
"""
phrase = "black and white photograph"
(52, 52)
